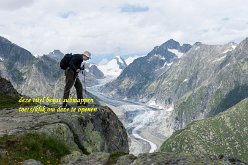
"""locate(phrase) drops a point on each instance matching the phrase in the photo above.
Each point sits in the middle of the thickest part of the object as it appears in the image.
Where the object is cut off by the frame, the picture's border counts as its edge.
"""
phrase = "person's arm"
(72, 62)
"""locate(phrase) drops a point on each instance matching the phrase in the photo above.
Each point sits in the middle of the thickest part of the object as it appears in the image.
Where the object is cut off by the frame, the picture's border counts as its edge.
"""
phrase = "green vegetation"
(8, 101)
(233, 97)
(12, 102)
(17, 148)
(224, 134)
(186, 107)
(114, 157)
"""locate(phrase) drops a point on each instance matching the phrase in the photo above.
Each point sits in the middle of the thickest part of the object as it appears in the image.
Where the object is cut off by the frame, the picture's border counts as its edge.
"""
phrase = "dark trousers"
(70, 78)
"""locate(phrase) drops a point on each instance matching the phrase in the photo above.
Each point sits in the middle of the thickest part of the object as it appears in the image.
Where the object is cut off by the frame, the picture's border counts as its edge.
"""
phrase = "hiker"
(71, 75)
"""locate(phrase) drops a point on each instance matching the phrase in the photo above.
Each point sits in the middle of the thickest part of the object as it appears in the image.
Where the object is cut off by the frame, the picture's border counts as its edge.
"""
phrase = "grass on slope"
(17, 148)
(224, 134)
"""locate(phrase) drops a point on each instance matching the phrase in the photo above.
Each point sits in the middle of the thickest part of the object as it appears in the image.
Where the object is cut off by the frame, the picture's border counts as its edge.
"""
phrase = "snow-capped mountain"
(144, 70)
(129, 60)
(113, 67)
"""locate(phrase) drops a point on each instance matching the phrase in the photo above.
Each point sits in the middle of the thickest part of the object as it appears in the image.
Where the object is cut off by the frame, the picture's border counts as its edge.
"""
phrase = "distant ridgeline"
(196, 81)
(37, 77)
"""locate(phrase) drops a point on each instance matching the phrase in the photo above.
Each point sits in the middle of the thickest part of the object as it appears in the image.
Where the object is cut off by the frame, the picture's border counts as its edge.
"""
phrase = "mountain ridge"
(224, 134)
(132, 81)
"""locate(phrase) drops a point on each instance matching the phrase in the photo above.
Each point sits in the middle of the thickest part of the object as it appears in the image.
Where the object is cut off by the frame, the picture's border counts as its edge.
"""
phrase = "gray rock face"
(7, 88)
(159, 158)
(96, 158)
(32, 162)
(14, 54)
(96, 72)
(84, 132)
(92, 74)
(57, 55)
(133, 80)
(121, 62)
(26, 72)
(15, 61)
(208, 80)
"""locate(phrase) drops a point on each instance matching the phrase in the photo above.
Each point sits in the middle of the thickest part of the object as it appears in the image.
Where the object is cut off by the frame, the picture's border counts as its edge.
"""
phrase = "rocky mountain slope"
(134, 79)
(204, 81)
(39, 76)
(207, 81)
(57, 55)
(224, 134)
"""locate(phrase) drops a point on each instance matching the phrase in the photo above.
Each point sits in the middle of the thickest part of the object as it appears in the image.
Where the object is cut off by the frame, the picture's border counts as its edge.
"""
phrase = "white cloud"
(120, 27)
(14, 4)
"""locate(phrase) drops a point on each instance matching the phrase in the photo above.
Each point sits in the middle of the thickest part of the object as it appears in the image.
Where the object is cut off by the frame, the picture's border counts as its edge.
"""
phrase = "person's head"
(86, 55)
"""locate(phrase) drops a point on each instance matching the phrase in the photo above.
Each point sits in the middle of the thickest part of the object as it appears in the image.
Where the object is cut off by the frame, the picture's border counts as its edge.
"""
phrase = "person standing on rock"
(73, 67)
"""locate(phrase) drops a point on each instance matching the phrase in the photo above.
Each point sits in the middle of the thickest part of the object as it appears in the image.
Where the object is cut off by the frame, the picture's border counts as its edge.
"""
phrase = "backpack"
(64, 63)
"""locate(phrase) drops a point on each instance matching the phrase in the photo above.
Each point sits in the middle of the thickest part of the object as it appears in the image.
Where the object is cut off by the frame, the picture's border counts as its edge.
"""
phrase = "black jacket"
(75, 62)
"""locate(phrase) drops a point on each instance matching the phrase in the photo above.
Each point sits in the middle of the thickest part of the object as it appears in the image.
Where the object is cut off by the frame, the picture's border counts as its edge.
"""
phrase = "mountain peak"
(113, 67)
(197, 44)
(243, 45)
(56, 55)
(122, 64)
(4, 40)
(171, 44)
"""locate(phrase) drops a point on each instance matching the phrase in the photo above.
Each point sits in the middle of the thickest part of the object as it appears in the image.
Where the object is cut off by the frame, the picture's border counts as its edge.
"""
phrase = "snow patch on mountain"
(129, 60)
(196, 48)
(233, 46)
(186, 80)
(176, 52)
(152, 103)
(159, 56)
(219, 59)
(113, 67)
(1, 59)
(169, 64)
(119, 59)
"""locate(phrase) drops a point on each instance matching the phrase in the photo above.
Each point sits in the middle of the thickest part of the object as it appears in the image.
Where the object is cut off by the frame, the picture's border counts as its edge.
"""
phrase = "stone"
(32, 162)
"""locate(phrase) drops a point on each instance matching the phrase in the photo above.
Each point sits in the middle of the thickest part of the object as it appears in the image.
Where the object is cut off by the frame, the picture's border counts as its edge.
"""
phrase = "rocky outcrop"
(158, 158)
(224, 134)
(7, 88)
(85, 132)
(76, 158)
(32, 162)
(96, 72)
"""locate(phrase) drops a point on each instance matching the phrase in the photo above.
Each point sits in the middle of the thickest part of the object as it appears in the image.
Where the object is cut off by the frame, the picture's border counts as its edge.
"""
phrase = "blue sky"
(123, 27)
